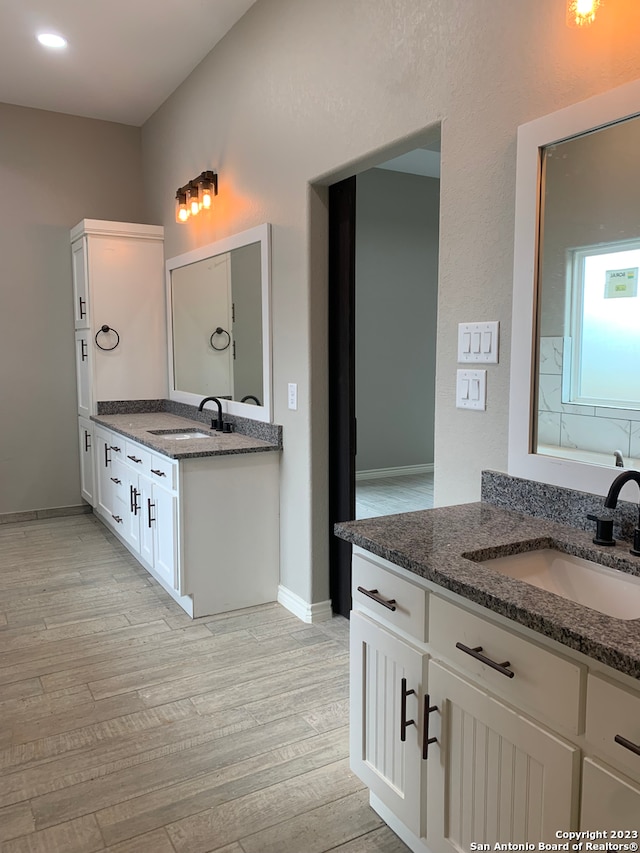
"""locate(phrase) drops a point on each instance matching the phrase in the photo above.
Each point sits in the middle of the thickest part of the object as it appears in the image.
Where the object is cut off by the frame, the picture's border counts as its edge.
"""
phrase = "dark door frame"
(342, 417)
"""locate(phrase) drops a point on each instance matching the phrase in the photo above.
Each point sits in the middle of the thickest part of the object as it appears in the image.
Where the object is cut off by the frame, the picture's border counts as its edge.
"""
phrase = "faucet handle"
(604, 530)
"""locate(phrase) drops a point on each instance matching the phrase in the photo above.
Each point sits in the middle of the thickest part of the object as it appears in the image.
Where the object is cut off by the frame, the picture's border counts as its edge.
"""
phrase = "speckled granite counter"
(437, 545)
(137, 425)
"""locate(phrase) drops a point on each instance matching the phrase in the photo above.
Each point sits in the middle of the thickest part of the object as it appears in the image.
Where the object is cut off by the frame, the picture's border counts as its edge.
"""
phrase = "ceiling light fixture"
(52, 40)
(196, 195)
(581, 12)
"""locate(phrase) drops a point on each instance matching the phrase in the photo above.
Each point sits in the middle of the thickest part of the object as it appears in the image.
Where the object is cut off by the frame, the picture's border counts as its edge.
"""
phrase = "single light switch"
(478, 342)
(471, 389)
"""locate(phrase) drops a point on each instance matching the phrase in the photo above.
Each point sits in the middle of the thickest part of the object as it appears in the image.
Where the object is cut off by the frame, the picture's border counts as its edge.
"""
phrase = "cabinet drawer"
(163, 471)
(613, 711)
(138, 457)
(543, 683)
(409, 600)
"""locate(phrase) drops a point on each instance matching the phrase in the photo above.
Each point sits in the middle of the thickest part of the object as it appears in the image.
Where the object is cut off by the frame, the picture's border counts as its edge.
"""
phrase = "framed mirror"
(575, 371)
(219, 324)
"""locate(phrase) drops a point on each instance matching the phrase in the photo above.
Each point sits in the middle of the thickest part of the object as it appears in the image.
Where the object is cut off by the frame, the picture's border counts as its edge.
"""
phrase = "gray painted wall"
(396, 312)
(54, 171)
(303, 93)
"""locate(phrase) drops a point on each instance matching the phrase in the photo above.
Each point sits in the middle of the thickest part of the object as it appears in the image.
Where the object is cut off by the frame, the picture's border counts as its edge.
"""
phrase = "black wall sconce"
(196, 195)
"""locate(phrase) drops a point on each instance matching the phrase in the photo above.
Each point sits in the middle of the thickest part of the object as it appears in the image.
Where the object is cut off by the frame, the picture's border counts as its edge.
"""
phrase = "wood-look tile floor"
(127, 727)
(390, 495)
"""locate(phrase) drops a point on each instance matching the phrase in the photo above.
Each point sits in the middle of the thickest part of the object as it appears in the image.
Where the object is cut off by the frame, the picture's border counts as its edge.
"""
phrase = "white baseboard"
(402, 471)
(311, 613)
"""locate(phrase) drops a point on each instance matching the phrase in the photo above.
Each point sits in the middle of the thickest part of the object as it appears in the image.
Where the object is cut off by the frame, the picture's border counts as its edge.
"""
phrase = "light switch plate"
(478, 342)
(471, 389)
(292, 395)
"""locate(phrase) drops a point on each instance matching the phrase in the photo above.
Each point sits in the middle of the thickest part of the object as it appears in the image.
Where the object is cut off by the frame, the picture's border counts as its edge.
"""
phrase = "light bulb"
(193, 199)
(182, 211)
(581, 12)
(52, 40)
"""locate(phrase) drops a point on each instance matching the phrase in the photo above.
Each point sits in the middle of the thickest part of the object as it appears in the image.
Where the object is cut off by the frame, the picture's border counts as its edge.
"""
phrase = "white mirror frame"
(601, 110)
(260, 234)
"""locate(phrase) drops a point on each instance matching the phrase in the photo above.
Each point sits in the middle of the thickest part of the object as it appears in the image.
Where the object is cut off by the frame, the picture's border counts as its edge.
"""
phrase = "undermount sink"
(609, 591)
(180, 434)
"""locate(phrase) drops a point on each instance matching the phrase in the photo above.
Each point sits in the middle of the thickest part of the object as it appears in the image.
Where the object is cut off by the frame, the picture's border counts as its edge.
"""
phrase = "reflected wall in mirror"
(588, 303)
(218, 320)
(574, 409)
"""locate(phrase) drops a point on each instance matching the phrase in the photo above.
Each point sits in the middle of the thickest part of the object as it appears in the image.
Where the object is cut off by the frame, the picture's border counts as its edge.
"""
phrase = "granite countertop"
(137, 425)
(437, 545)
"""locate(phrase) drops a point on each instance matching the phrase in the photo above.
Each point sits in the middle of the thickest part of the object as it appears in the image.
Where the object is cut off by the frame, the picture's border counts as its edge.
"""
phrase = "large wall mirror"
(218, 320)
(575, 382)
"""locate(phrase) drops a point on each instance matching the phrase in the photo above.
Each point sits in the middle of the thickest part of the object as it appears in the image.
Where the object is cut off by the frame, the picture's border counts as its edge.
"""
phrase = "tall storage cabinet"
(119, 316)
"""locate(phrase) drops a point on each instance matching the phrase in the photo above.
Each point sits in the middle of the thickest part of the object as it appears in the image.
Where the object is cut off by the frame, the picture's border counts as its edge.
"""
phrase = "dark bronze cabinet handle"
(158, 472)
(87, 441)
(475, 653)
(134, 459)
(82, 302)
(116, 481)
(107, 460)
(426, 740)
(133, 500)
(117, 518)
(375, 595)
(149, 505)
(113, 447)
(84, 353)
(628, 744)
(404, 723)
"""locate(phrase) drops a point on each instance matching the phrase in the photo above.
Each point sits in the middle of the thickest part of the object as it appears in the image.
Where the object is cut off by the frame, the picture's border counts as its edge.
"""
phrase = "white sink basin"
(607, 590)
(182, 435)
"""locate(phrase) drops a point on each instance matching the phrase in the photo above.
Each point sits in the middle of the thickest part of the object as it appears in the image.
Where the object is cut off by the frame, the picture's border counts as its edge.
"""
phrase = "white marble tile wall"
(598, 429)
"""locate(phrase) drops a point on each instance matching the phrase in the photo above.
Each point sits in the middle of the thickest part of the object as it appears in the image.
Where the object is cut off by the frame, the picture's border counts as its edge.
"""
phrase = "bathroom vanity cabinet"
(206, 528)
(456, 751)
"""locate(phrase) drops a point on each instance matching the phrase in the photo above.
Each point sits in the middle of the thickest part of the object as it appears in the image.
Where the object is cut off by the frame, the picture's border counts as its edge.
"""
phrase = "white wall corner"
(305, 611)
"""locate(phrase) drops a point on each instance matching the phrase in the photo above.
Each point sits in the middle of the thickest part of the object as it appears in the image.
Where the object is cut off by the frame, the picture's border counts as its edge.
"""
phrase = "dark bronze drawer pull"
(117, 449)
(107, 459)
(134, 459)
(375, 595)
(117, 518)
(84, 354)
(149, 505)
(426, 740)
(628, 744)
(475, 653)
(158, 472)
(87, 441)
(116, 481)
(133, 499)
(82, 302)
(404, 723)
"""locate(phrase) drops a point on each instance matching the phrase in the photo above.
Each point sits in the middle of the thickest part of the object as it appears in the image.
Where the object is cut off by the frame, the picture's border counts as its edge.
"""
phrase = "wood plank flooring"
(390, 495)
(127, 727)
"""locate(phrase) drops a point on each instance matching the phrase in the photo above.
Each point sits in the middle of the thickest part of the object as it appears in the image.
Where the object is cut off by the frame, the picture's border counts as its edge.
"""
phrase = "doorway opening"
(383, 272)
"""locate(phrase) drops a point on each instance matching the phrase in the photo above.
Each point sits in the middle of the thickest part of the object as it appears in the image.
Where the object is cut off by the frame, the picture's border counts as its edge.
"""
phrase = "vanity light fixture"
(196, 195)
(581, 12)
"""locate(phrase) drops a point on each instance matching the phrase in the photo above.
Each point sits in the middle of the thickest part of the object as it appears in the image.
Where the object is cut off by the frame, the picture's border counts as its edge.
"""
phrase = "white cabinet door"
(390, 766)
(87, 477)
(165, 511)
(147, 523)
(495, 775)
(83, 372)
(103, 458)
(126, 487)
(80, 284)
(609, 801)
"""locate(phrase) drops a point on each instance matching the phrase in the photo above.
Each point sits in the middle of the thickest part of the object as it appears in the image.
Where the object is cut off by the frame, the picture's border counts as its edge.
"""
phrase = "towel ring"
(106, 329)
(220, 331)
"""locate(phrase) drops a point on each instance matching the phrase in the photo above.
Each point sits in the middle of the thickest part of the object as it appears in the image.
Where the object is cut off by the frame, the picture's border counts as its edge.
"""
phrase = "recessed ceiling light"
(52, 40)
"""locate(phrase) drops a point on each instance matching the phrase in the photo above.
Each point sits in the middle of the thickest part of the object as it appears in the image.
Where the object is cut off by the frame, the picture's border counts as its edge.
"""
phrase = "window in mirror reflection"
(588, 377)
(604, 323)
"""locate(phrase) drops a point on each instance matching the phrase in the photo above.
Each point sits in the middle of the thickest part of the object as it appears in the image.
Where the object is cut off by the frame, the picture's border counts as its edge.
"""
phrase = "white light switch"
(471, 389)
(478, 342)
